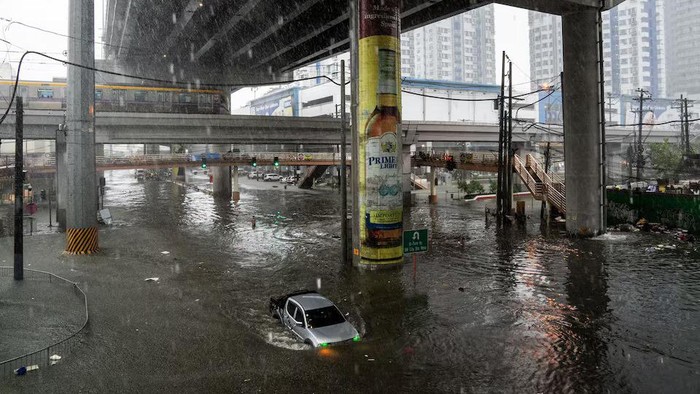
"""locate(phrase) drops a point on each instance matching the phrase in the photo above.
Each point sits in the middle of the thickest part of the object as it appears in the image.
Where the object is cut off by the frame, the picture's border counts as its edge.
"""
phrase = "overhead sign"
(415, 241)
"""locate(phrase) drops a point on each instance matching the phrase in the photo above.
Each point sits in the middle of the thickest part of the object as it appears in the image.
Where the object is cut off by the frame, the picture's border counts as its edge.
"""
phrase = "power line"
(469, 100)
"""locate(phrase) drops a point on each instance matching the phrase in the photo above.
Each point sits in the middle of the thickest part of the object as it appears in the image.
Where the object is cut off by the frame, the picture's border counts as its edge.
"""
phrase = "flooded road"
(489, 311)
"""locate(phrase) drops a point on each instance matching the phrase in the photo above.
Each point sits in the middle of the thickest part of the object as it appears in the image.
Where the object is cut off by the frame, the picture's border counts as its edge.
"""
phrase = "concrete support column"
(433, 198)
(81, 207)
(406, 177)
(61, 180)
(236, 194)
(581, 122)
(151, 149)
(222, 174)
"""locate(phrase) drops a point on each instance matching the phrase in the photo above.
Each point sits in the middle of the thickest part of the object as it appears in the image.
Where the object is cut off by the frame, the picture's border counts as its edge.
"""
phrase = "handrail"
(553, 195)
(534, 187)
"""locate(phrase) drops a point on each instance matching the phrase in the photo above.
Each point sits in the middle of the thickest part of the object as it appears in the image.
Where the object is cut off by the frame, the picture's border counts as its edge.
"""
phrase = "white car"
(313, 318)
(271, 177)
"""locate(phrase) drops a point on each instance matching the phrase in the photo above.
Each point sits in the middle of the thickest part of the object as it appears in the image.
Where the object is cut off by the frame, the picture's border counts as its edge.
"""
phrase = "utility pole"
(509, 138)
(547, 159)
(343, 176)
(501, 136)
(687, 126)
(643, 94)
(19, 190)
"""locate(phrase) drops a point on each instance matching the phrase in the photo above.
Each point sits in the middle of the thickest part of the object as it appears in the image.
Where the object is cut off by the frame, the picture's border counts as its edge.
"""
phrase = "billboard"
(550, 108)
(283, 103)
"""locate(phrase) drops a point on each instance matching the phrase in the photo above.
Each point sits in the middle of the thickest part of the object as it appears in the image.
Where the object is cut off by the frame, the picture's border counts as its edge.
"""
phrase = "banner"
(379, 120)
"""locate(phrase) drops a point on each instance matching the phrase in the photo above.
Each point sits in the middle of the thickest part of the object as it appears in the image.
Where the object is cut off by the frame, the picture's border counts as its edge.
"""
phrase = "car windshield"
(323, 317)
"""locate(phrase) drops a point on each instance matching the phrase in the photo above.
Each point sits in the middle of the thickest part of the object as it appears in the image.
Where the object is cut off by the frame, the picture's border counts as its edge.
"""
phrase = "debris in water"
(461, 289)
(154, 279)
(165, 252)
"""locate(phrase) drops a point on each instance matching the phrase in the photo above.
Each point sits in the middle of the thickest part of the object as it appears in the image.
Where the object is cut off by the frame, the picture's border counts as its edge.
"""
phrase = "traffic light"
(450, 163)
(204, 162)
(276, 161)
(253, 162)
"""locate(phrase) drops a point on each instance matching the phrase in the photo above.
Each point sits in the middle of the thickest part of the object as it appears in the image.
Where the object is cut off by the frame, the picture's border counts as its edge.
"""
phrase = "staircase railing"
(553, 195)
(532, 185)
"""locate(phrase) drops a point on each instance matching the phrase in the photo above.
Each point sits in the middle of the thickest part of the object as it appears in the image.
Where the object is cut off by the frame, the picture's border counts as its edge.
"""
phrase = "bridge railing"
(534, 186)
(553, 195)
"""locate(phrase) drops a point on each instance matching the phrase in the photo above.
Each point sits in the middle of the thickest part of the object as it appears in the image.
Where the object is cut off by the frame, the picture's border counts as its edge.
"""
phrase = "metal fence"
(45, 356)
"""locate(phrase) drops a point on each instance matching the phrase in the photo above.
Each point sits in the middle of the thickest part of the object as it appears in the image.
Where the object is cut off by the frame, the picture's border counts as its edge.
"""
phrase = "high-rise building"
(460, 48)
(633, 47)
(682, 49)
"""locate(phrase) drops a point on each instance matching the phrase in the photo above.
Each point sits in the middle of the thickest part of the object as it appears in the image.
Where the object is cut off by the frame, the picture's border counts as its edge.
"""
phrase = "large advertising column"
(379, 123)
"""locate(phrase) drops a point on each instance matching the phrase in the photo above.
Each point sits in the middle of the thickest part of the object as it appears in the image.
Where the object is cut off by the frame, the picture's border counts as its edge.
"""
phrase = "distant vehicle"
(271, 177)
(313, 318)
(140, 174)
(254, 175)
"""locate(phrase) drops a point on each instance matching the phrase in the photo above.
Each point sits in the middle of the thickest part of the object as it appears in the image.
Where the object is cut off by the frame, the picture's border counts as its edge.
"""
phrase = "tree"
(472, 187)
(493, 185)
(666, 159)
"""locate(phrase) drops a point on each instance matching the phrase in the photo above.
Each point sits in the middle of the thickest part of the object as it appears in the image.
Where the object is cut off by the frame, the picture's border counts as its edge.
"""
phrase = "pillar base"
(236, 196)
(407, 199)
(433, 199)
(82, 240)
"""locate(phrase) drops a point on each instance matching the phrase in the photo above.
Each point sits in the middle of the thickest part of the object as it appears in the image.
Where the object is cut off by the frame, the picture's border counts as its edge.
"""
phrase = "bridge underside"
(248, 41)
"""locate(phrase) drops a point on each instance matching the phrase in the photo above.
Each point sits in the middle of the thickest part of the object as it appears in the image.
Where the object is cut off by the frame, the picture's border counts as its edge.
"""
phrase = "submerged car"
(313, 318)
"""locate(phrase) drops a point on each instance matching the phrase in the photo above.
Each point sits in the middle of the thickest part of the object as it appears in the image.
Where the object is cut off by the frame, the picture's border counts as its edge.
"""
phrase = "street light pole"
(19, 189)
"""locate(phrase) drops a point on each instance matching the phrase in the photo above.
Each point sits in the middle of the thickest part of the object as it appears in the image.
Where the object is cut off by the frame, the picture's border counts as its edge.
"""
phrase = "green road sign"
(415, 241)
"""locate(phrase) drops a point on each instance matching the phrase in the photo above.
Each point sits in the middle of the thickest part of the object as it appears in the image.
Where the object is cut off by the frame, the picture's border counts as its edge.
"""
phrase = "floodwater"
(489, 310)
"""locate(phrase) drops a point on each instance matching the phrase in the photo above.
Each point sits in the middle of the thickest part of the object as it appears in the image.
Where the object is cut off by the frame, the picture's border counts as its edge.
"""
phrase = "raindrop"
(172, 68)
(280, 20)
(174, 18)
(197, 83)
(318, 283)
(250, 53)
(189, 85)
(177, 268)
(357, 369)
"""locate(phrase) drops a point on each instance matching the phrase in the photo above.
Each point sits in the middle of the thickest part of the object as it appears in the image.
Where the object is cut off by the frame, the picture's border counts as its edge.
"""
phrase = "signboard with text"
(415, 241)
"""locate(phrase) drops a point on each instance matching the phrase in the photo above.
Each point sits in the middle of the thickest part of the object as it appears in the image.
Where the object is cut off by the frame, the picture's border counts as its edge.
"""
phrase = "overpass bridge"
(154, 128)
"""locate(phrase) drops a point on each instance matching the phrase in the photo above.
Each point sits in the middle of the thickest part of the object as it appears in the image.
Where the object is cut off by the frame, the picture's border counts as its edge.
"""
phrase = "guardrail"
(45, 356)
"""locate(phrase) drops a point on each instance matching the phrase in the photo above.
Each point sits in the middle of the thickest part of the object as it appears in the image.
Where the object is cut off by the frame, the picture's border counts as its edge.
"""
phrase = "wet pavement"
(489, 311)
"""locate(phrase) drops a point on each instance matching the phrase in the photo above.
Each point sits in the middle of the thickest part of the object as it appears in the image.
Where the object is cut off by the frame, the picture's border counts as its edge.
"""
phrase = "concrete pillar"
(236, 194)
(377, 134)
(221, 174)
(151, 149)
(61, 180)
(81, 207)
(433, 198)
(406, 177)
(581, 122)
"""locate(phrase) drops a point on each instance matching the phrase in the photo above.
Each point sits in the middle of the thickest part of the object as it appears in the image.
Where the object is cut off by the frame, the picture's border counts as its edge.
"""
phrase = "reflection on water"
(491, 309)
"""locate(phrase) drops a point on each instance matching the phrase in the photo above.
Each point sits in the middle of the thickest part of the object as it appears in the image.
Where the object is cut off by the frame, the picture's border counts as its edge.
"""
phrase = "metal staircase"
(543, 186)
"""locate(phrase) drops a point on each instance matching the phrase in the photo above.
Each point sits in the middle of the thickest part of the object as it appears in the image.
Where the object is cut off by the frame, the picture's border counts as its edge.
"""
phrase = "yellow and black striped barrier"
(81, 240)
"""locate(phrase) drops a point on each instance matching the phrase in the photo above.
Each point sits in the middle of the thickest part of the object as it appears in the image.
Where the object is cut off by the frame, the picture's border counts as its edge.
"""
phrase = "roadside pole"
(19, 188)
(343, 175)
(414, 242)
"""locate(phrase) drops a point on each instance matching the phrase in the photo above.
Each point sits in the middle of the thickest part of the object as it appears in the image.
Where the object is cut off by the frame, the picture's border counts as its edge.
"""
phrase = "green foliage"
(472, 187)
(666, 159)
(493, 186)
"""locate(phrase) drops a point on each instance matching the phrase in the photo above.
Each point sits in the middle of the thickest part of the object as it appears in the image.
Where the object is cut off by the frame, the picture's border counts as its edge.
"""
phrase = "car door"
(300, 329)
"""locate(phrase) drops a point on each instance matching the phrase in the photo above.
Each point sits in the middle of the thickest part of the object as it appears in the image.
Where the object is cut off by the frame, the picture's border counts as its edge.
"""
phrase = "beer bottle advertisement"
(379, 120)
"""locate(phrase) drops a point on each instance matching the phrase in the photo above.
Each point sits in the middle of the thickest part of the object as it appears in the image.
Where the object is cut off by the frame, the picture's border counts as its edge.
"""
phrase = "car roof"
(311, 301)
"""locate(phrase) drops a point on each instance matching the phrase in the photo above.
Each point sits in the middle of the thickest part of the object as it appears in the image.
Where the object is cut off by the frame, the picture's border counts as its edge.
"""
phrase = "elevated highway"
(247, 41)
(145, 128)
